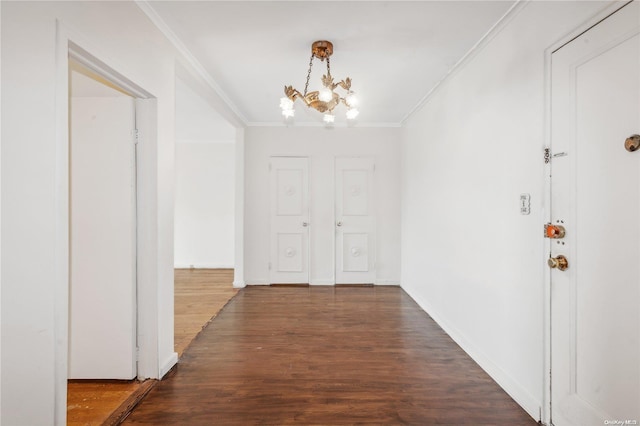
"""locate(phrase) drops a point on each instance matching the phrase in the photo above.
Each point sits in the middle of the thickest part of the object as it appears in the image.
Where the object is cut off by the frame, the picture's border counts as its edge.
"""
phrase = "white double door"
(595, 195)
(352, 230)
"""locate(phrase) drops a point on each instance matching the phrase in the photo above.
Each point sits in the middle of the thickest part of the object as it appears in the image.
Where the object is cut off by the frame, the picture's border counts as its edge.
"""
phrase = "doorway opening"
(106, 300)
(205, 211)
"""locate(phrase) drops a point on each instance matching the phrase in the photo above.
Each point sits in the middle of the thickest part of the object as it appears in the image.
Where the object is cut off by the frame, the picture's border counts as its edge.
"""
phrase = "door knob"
(305, 224)
(338, 223)
(559, 262)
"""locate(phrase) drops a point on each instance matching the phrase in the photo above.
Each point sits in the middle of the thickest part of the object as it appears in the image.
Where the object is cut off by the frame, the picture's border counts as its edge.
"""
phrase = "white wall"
(469, 258)
(322, 146)
(205, 205)
(205, 183)
(33, 379)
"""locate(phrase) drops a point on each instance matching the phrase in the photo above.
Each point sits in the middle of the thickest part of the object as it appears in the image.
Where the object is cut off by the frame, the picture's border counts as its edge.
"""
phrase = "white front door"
(355, 221)
(595, 195)
(289, 211)
(102, 301)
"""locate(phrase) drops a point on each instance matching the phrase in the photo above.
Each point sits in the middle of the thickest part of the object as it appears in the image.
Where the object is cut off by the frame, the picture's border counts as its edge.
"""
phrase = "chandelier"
(325, 99)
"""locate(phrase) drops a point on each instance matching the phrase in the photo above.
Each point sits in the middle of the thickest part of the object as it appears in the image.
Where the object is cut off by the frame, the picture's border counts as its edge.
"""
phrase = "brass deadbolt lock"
(554, 231)
(559, 262)
(632, 143)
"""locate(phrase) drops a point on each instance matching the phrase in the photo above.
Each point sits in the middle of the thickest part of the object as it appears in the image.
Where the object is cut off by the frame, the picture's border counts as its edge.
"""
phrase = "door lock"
(305, 224)
(554, 231)
(632, 143)
(559, 262)
(339, 224)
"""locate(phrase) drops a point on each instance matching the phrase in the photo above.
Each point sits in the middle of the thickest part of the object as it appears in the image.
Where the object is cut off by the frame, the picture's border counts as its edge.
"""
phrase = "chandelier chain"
(329, 66)
(306, 85)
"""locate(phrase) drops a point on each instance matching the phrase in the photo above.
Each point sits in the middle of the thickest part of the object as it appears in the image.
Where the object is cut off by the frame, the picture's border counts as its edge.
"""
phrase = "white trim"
(471, 53)
(66, 39)
(168, 364)
(155, 18)
(546, 191)
(147, 181)
(205, 141)
(239, 216)
(261, 281)
(61, 190)
(387, 282)
(203, 266)
(322, 282)
(90, 62)
(239, 284)
(530, 404)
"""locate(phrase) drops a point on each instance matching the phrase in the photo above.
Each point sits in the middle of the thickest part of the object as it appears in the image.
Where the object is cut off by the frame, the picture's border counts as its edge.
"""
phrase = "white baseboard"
(168, 364)
(239, 284)
(387, 282)
(530, 404)
(203, 266)
(322, 282)
(257, 282)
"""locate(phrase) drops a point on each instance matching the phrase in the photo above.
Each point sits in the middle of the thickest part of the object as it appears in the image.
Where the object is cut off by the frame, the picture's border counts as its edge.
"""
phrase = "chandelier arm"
(306, 85)
(345, 84)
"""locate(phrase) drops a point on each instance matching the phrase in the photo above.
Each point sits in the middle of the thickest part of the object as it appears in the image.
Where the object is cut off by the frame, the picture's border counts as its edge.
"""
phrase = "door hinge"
(136, 136)
(547, 155)
(137, 354)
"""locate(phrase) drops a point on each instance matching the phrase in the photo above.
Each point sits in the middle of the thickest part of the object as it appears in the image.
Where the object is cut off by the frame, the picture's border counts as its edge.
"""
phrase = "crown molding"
(157, 20)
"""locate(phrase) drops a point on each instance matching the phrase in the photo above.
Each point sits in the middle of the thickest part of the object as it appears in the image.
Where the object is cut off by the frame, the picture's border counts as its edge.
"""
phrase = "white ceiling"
(395, 51)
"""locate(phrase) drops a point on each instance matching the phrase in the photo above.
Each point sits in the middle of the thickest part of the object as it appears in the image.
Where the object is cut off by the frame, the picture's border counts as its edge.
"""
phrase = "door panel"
(289, 220)
(102, 317)
(595, 195)
(355, 221)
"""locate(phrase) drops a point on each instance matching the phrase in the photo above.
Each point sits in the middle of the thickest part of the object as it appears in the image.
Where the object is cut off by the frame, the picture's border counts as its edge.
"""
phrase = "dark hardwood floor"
(326, 356)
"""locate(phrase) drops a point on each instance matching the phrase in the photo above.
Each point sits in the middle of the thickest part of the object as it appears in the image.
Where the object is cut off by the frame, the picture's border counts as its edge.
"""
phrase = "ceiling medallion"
(325, 99)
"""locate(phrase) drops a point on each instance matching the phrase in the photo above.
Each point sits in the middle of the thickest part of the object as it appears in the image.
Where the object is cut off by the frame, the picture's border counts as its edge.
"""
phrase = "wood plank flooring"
(199, 295)
(91, 402)
(326, 356)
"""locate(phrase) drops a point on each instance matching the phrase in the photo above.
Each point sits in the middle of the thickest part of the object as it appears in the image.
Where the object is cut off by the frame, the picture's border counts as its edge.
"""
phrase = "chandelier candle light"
(325, 99)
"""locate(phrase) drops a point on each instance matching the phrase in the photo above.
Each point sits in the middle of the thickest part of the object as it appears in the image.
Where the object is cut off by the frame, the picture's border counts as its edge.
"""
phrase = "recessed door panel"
(290, 252)
(355, 252)
(595, 195)
(355, 221)
(355, 193)
(289, 186)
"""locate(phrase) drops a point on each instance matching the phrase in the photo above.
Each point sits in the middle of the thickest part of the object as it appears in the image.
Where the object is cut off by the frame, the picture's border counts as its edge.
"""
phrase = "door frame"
(71, 45)
(605, 12)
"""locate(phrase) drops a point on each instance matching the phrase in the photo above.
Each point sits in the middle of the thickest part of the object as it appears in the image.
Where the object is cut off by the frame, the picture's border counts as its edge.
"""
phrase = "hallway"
(326, 355)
